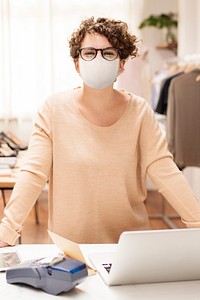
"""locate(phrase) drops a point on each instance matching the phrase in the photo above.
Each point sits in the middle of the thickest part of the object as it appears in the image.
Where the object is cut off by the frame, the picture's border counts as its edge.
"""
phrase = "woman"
(95, 145)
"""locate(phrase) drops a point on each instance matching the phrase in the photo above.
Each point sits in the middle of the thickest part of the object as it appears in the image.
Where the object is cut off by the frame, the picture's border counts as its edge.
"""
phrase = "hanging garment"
(163, 96)
(183, 119)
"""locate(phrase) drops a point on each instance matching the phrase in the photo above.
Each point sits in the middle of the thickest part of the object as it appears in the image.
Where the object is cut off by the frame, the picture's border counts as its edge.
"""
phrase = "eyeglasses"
(90, 53)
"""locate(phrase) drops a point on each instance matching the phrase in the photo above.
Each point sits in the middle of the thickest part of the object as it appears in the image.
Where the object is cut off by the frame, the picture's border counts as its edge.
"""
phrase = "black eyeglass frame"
(101, 50)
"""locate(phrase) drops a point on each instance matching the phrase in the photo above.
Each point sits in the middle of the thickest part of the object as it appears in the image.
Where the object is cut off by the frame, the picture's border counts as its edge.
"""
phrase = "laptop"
(151, 256)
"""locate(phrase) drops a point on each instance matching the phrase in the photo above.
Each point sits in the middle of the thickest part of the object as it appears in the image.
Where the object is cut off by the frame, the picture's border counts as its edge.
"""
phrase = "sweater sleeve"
(33, 176)
(166, 176)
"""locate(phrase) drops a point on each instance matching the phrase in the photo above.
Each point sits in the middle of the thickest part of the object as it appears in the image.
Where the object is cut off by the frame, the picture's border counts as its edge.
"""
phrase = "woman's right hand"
(3, 244)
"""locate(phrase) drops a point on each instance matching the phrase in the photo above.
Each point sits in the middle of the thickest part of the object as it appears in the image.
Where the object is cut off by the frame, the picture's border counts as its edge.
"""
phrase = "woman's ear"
(121, 66)
(76, 64)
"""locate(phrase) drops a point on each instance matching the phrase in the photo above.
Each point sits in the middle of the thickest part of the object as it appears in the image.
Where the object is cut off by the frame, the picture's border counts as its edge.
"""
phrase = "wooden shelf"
(167, 46)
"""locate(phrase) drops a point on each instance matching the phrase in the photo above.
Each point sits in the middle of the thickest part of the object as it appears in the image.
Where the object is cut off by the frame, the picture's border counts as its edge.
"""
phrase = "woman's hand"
(3, 244)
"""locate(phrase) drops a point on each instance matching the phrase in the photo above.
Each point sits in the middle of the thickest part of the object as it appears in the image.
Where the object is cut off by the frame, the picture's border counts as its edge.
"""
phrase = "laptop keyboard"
(107, 267)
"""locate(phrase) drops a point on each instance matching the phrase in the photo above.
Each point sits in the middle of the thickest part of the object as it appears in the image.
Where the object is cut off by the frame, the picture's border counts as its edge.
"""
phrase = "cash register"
(54, 275)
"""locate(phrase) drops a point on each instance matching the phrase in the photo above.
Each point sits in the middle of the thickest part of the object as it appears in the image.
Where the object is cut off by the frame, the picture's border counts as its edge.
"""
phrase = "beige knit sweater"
(97, 175)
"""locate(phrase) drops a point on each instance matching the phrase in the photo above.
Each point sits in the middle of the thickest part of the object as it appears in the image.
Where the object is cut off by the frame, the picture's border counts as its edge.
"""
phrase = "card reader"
(53, 275)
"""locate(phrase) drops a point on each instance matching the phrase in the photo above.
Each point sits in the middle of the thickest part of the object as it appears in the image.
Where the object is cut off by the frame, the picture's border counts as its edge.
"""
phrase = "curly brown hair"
(115, 31)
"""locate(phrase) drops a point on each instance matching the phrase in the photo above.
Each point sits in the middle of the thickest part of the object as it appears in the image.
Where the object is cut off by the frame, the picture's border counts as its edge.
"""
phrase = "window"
(34, 55)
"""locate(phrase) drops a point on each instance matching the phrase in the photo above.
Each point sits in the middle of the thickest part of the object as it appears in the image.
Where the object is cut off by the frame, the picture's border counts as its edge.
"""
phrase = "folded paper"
(70, 249)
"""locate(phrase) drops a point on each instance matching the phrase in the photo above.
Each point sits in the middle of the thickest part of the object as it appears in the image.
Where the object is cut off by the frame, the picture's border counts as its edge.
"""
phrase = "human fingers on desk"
(3, 244)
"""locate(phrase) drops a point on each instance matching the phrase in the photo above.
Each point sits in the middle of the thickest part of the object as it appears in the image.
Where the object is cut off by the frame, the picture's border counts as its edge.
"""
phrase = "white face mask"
(99, 73)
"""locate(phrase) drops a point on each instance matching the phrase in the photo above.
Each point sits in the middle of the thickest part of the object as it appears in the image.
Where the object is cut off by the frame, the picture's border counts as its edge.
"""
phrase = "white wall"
(139, 71)
(189, 27)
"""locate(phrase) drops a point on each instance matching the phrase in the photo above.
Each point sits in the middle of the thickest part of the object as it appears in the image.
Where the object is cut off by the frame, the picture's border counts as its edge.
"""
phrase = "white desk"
(93, 287)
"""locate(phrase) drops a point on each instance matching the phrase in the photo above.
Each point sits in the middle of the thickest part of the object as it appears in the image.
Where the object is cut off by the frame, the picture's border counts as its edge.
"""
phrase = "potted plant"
(167, 21)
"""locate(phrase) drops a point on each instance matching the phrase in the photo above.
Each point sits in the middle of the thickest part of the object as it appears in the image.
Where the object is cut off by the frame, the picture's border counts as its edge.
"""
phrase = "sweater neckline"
(102, 128)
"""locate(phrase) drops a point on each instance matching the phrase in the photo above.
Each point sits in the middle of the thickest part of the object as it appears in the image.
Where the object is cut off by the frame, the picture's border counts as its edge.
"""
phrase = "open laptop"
(151, 256)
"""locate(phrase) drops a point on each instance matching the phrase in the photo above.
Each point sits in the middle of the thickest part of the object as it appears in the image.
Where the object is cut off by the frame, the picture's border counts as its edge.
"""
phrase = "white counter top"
(93, 288)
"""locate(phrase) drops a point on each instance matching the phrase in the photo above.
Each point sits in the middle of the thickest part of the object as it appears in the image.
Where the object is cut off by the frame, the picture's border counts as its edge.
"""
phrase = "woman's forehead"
(95, 40)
